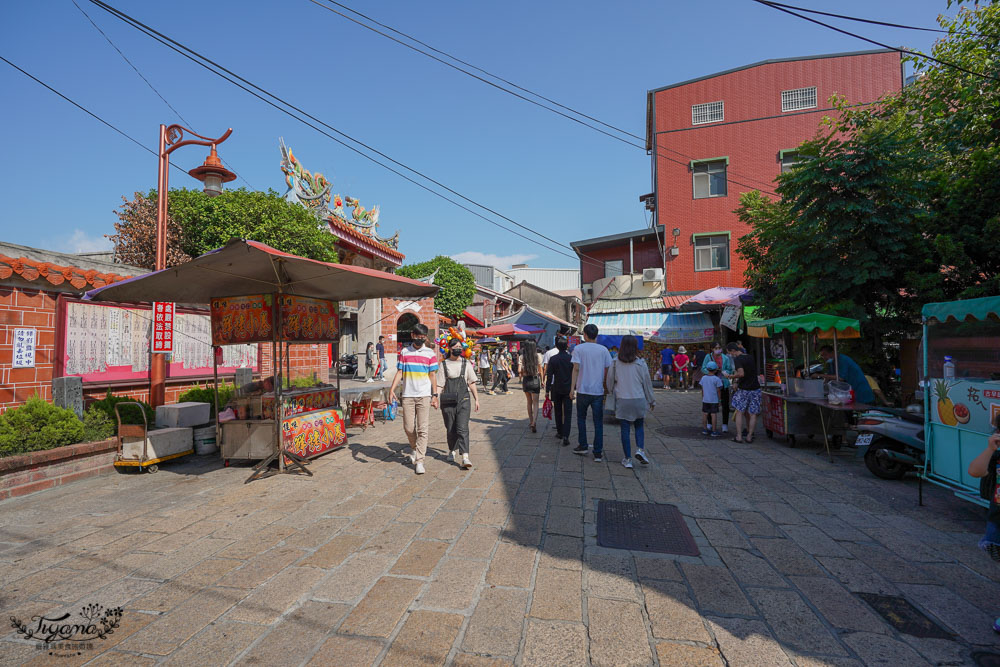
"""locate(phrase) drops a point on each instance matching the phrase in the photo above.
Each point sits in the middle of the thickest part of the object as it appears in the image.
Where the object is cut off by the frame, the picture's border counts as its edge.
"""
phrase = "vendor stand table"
(792, 416)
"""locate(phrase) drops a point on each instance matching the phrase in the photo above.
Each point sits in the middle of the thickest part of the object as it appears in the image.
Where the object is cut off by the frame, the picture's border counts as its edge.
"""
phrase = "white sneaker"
(412, 457)
(420, 469)
(466, 463)
(627, 462)
(640, 455)
(725, 428)
(451, 456)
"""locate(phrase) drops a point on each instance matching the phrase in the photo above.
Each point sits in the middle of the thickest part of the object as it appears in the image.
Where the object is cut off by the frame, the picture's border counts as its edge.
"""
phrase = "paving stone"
(353, 577)
(379, 611)
(716, 590)
(334, 552)
(857, 576)
(672, 613)
(166, 596)
(308, 625)
(426, 638)
(469, 660)
(786, 556)
(565, 521)
(557, 595)
(476, 542)
(682, 655)
(420, 509)
(373, 520)
(888, 564)
(269, 601)
(263, 567)
(217, 644)
(496, 624)
(566, 496)
(657, 568)
(341, 651)
(316, 533)
(973, 625)
(976, 590)
(723, 533)
(610, 577)
(793, 623)
(747, 643)
(617, 633)
(528, 502)
(455, 586)
(839, 607)
(492, 513)
(355, 505)
(166, 633)
(420, 558)
(836, 528)
(394, 538)
(751, 570)
(524, 529)
(814, 541)
(549, 644)
(562, 551)
(878, 649)
(781, 513)
(512, 565)
(445, 525)
(121, 659)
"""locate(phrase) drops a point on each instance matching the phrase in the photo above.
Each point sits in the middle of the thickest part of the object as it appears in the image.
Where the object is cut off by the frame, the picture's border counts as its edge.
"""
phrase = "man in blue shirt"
(667, 365)
(850, 373)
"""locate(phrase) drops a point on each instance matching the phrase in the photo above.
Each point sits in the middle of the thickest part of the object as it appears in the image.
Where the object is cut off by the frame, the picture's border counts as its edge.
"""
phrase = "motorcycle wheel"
(882, 467)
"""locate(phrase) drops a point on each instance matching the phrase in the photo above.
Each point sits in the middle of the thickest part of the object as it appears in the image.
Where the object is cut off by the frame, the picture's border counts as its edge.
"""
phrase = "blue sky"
(63, 173)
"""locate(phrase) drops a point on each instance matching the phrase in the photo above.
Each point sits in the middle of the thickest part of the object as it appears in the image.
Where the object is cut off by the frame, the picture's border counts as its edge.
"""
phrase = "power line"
(246, 85)
(898, 49)
(521, 88)
(882, 23)
(148, 83)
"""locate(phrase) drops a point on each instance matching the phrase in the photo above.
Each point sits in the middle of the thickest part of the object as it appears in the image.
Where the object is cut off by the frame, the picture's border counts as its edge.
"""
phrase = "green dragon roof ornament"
(313, 192)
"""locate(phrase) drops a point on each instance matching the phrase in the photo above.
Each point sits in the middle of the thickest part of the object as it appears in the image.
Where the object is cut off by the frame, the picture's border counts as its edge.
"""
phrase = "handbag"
(532, 384)
(547, 408)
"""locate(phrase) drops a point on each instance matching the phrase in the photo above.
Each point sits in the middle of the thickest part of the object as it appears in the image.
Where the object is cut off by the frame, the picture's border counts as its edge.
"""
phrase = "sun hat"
(682, 350)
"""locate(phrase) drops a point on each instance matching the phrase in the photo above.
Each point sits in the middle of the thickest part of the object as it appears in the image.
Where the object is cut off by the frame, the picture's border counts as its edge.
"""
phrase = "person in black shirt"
(746, 399)
(558, 384)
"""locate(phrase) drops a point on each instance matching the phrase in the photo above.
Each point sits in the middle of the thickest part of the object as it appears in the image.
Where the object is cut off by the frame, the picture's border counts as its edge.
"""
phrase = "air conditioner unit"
(588, 293)
(652, 275)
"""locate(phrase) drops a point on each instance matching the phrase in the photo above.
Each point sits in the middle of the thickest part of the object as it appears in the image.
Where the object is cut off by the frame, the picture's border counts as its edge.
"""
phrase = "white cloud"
(489, 259)
(80, 241)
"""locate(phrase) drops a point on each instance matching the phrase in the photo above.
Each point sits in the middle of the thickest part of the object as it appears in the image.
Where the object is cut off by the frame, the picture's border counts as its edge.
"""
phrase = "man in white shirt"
(416, 369)
(547, 357)
(590, 370)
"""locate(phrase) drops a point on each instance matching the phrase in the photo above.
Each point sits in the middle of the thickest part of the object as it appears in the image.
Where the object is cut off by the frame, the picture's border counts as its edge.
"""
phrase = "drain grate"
(643, 527)
(900, 614)
(985, 659)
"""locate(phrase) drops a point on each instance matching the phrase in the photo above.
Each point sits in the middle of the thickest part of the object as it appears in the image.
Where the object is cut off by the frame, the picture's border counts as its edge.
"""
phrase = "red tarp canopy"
(244, 268)
(499, 330)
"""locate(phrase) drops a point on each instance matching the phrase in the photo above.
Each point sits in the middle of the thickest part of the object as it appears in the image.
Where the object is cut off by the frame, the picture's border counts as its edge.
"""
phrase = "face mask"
(716, 351)
(456, 352)
(418, 343)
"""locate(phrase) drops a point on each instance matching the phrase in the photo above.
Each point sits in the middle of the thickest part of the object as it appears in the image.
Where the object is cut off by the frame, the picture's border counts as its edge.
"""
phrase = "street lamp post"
(213, 175)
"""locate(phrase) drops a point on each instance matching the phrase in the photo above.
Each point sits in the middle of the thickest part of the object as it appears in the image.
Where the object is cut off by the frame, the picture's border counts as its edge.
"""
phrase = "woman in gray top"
(629, 381)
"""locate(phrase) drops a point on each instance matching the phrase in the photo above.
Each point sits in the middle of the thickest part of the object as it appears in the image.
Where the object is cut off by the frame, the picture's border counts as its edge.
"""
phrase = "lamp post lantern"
(213, 175)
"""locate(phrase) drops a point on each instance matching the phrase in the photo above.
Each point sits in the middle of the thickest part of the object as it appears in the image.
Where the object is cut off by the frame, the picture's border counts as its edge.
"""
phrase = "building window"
(710, 112)
(709, 178)
(788, 160)
(711, 252)
(800, 98)
(613, 267)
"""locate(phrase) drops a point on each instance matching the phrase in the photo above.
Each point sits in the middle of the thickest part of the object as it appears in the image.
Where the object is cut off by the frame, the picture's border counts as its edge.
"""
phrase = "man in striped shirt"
(415, 369)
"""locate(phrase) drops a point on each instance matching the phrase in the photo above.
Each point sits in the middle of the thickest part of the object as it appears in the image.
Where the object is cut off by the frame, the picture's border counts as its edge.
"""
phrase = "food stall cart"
(794, 406)
(271, 295)
(962, 402)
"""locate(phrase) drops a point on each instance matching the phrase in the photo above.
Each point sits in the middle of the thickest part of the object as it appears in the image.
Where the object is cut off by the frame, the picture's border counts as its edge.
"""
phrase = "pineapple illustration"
(945, 406)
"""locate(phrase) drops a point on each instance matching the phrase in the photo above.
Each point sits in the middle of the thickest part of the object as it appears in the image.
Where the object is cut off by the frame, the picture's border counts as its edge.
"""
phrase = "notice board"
(104, 343)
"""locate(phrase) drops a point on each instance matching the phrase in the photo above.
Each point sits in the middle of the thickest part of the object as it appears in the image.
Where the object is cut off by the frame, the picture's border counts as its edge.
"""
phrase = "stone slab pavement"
(367, 563)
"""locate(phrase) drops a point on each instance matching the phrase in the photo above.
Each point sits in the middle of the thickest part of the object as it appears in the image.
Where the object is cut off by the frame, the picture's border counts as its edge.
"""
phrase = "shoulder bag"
(450, 397)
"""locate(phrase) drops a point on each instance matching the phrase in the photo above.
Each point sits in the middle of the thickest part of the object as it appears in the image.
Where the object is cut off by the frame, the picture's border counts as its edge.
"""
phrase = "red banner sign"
(242, 319)
(163, 327)
(774, 414)
(308, 320)
(313, 434)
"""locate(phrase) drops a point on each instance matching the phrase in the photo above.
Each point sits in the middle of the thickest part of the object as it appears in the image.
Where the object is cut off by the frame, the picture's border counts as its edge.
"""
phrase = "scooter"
(891, 440)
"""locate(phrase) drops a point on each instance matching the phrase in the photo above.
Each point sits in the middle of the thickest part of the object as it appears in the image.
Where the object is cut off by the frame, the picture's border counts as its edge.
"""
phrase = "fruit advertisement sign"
(308, 320)
(313, 434)
(242, 319)
(968, 405)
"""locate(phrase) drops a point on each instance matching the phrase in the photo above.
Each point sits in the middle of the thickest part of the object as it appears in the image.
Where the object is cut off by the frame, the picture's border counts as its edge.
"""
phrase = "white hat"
(682, 350)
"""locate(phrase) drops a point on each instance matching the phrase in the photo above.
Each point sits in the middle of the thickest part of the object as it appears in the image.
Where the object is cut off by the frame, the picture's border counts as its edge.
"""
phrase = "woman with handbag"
(531, 379)
(456, 379)
(628, 380)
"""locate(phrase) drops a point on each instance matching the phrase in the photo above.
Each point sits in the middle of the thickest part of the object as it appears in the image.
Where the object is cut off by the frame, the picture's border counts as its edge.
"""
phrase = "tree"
(197, 223)
(458, 285)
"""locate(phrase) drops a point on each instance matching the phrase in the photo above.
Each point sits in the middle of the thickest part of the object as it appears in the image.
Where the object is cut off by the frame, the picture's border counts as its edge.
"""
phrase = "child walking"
(711, 385)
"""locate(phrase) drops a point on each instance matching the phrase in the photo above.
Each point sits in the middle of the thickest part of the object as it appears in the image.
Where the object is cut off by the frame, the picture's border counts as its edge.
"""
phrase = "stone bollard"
(67, 392)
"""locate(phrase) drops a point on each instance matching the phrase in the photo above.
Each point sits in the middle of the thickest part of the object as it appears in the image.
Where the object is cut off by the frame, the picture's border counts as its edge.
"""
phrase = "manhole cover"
(983, 659)
(903, 616)
(643, 527)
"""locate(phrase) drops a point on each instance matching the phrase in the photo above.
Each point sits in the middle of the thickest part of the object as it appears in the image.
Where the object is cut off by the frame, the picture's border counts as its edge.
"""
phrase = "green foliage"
(130, 413)
(458, 285)
(300, 382)
(207, 395)
(38, 425)
(97, 425)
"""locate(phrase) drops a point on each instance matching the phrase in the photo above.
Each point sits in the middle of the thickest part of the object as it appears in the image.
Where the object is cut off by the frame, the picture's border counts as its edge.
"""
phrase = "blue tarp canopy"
(656, 327)
(615, 341)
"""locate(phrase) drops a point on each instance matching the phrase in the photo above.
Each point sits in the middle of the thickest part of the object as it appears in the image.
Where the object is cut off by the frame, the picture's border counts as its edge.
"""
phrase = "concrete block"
(159, 443)
(67, 392)
(183, 414)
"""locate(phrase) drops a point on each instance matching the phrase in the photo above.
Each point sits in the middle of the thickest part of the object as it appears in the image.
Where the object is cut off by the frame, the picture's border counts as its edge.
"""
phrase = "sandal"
(737, 440)
(749, 438)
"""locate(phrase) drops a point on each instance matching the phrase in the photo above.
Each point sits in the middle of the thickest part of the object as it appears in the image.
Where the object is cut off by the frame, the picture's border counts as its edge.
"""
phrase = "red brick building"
(720, 135)
(617, 255)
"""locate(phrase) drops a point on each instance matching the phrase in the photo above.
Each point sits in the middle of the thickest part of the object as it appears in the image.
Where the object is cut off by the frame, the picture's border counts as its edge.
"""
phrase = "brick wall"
(751, 135)
(36, 471)
(391, 316)
(645, 255)
(26, 308)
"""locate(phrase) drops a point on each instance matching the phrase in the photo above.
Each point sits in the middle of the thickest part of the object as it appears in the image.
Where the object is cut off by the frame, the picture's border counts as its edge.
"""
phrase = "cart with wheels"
(137, 451)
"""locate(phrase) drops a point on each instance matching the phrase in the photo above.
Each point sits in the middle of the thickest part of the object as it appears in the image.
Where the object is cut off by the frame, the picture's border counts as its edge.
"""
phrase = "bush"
(38, 425)
(207, 395)
(97, 425)
(130, 414)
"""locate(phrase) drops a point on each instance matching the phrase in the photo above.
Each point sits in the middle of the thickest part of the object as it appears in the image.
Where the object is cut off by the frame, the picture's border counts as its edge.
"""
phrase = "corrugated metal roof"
(674, 300)
(628, 305)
